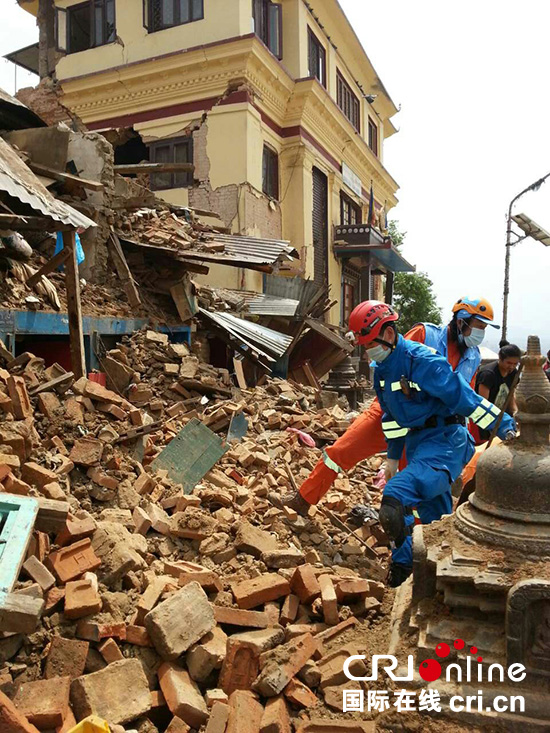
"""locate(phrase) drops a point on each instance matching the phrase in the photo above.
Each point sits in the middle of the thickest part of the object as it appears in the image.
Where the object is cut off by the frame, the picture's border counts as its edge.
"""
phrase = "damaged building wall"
(93, 157)
(46, 100)
(227, 147)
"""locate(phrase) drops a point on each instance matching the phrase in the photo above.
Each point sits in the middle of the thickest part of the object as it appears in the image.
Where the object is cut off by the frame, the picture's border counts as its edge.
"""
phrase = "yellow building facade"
(275, 103)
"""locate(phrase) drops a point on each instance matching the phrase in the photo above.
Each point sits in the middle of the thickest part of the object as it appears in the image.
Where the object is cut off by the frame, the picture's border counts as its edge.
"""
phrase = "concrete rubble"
(170, 607)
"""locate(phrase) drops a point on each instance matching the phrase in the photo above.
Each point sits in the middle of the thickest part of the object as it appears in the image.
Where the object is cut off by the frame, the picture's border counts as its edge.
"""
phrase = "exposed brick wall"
(239, 205)
(45, 100)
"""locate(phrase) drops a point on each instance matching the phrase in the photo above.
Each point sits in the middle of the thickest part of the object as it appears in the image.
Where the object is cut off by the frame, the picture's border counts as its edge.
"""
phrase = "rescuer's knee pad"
(392, 519)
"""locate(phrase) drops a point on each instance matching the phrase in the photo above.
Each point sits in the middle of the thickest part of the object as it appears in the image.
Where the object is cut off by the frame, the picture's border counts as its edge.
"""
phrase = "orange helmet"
(369, 318)
(475, 308)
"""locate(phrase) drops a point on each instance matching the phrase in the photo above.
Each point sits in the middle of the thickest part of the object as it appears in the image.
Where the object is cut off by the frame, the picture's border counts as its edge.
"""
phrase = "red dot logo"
(443, 650)
(480, 659)
(459, 644)
(473, 650)
(430, 670)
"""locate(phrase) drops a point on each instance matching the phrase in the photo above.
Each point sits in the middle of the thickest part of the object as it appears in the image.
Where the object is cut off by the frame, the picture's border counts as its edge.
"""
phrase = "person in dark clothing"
(546, 365)
(495, 380)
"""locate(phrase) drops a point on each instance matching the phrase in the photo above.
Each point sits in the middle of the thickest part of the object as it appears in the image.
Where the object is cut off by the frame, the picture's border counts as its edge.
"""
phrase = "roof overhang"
(26, 58)
(31, 6)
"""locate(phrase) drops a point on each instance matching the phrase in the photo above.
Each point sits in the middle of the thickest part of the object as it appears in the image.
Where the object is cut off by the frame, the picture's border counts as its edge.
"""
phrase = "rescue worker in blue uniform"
(425, 406)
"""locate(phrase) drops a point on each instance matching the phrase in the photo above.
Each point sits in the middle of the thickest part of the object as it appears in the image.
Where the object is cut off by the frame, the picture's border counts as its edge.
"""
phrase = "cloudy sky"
(473, 132)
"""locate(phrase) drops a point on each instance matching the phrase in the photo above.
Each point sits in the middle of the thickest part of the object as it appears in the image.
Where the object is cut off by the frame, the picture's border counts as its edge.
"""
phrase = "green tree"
(414, 298)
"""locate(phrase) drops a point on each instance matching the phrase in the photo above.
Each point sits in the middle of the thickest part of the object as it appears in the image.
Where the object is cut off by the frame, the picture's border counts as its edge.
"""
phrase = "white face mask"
(378, 353)
(475, 338)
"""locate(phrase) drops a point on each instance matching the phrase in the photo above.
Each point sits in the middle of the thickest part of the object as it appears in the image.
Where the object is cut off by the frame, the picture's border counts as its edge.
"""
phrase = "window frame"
(262, 16)
(348, 101)
(149, 10)
(270, 172)
(373, 136)
(172, 143)
(68, 15)
(347, 206)
(315, 43)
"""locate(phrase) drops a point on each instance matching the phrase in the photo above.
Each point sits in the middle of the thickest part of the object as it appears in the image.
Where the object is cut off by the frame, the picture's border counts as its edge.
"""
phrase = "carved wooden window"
(161, 14)
(348, 102)
(176, 150)
(350, 212)
(373, 137)
(270, 173)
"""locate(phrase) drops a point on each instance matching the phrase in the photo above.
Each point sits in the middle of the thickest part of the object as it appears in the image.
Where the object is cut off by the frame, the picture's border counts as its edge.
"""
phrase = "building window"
(86, 25)
(373, 137)
(317, 59)
(161, 14)
(178, 150)
(270, 173)
(348, 102)
(268, 25)
(350, 212)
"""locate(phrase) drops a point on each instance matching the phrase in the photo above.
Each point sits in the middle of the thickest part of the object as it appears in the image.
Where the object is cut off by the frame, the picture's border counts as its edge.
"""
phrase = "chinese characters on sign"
(380, 700)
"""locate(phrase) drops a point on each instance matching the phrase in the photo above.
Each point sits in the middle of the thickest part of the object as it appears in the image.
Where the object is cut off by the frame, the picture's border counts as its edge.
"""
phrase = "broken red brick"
(11, 719)
(275, 675)
(44, 703)
(19, 396)
(66, 658)
(40, 574)
(238, 617)
(245, 713)
(260, 590)
(75, 530)
(300, 695)
(110, 651)
(329, 600)
(81, 599)
(37, 475)
(182, 695)
(219, 715)
(138, 636)
(71, 562)
(87, 452)
(240, 667)
(304, 583)
(276, 718)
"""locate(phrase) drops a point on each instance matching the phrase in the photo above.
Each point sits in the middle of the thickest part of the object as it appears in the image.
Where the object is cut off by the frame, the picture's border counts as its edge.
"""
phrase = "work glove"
(392, 464)
(508, 428)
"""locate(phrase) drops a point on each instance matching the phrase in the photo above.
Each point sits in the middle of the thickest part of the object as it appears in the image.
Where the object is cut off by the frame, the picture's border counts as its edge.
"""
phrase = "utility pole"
(509, 244)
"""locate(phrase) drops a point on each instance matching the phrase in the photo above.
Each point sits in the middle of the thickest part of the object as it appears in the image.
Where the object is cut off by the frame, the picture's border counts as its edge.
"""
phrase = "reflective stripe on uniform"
(485, 414)
(329, 463)
(394, 430)
(382, 383)
(396, 386)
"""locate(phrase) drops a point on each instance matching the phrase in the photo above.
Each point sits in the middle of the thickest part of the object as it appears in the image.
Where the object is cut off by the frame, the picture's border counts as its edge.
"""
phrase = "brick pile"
(167, 612)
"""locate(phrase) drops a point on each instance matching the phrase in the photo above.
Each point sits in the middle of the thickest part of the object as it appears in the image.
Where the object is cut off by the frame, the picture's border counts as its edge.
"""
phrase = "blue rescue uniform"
(425, 407)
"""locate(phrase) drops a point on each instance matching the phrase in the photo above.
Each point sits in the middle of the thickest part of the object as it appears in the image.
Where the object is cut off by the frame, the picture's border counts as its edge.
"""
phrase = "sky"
(474, 126)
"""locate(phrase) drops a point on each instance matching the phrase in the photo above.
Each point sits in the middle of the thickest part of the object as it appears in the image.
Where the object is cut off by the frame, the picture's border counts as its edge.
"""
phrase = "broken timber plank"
(130, 287)
(136, 168)
(74, 307)
(50, 266)
(239, 372)
(61, 383)
(139, 432)
(190, 455)
(44, 170)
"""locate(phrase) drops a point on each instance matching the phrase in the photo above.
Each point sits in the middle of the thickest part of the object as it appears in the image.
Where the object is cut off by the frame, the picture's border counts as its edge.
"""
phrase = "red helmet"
(369, 318)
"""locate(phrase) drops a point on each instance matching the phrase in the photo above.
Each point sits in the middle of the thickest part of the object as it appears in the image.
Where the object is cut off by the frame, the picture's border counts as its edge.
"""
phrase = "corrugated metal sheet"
(21, 183)
(266, 341)
(293, 288)
(262, 304)
(254, 250)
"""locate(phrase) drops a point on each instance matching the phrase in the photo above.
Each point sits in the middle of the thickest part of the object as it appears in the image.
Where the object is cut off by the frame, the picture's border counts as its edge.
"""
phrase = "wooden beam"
(44, 170)
(121, 266)
(127, 170)
(33, 223)
(74, 307)
(50, 266)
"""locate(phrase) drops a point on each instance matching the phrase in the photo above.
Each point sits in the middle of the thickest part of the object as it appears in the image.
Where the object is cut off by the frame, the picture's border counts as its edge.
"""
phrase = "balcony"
(366, 242)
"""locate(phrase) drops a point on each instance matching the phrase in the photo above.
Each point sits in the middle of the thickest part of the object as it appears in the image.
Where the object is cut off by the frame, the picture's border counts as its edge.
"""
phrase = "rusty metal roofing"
(263, 304)
(264, 341)
(20, 182)
(253, 249)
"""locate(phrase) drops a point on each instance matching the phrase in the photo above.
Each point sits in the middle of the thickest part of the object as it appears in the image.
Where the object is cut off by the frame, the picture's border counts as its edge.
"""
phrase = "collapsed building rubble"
(196, 596)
